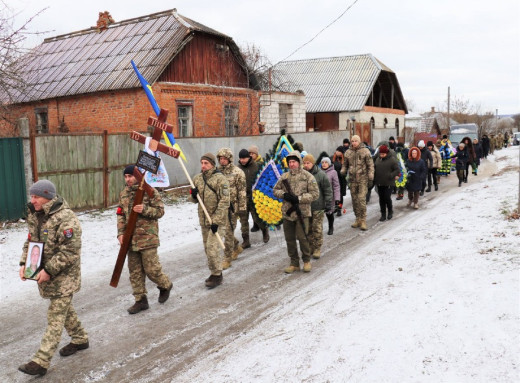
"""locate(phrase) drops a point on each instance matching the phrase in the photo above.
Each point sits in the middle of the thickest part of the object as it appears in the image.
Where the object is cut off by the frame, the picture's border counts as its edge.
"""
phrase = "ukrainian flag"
(168, 137)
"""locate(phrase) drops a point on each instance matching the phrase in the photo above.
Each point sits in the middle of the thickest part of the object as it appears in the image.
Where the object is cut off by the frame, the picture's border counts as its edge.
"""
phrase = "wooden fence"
(85, 167)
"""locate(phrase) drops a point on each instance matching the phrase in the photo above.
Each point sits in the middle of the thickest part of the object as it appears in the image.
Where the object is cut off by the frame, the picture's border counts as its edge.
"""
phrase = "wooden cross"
(159, 124)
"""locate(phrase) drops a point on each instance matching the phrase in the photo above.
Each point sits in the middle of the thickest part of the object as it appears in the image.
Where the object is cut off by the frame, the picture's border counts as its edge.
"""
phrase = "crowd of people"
(310, 190)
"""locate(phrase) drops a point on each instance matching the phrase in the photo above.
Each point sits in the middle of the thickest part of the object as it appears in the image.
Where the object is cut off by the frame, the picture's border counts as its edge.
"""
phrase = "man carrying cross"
(143, 260)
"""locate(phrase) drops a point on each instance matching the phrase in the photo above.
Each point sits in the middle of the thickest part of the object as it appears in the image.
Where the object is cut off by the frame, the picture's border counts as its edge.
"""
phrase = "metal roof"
(91, 61)
(332, 84)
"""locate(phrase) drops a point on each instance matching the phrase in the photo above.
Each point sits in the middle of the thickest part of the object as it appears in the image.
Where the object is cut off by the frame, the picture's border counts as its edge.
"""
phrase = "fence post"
(105, 169)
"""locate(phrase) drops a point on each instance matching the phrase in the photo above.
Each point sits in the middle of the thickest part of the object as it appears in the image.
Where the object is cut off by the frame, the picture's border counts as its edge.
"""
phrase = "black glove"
(194, 191)
(290, 198)
(214, 228)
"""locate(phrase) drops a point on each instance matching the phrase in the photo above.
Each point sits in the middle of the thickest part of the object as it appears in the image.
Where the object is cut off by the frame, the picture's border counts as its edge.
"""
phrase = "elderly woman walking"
(417, 173)
(326, 166)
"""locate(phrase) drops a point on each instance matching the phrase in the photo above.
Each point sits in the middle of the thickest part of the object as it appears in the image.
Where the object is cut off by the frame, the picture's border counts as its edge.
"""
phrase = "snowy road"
(430, 296)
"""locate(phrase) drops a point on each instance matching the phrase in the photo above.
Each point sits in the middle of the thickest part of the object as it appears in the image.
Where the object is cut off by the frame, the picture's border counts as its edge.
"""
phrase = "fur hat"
(356, 138)
(420, 144)
(244, 153)
(309, 158)
(253, 149)
(43, 188)
(129, 170)
(327, 160)
(209, 157)
(429, 143)
(383, 149)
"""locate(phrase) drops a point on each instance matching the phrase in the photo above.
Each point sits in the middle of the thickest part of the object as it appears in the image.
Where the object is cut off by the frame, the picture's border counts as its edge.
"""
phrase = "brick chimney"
(104, 21)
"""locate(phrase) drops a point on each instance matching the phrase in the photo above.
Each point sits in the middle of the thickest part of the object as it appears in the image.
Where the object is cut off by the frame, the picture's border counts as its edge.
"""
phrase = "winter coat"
(332, 175)
(386, 169)
(303, 185)
(417, 172)
(324, 201)
(338, 163)
(58, 227)
(437, 159)
(359, 164)
(146, 234)
(250, 170)
(462, 158)
(427, 157)
(479, 153)
(213, 188)
(472, 156)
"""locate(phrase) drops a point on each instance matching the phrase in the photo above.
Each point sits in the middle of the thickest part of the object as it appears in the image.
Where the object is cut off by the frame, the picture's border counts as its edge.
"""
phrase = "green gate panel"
(13, 195)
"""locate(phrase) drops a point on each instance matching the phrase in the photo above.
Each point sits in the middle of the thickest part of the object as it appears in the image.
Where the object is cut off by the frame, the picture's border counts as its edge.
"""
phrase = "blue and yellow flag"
(168, 137)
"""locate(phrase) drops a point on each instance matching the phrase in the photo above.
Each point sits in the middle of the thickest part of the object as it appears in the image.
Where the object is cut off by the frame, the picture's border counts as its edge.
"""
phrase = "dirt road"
(161, 344)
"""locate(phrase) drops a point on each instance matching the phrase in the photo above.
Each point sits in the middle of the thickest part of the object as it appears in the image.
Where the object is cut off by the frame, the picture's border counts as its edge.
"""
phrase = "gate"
(13, 197)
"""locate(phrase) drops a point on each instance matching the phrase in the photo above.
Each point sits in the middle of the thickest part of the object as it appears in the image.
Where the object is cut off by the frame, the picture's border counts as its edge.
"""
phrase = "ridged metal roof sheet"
(332, 84)
(90, 61)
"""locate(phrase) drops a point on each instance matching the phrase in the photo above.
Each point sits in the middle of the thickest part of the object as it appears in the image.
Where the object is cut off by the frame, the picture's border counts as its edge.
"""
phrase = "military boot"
(356, 224)
(255, 228)
(32, 368)
(164, 294)
(363, 224)
(236, 251)
(265, 235)
(226, 264)
(316, 254)
(72, 348)
(214, 281)
(246, 244)
(291, 269)
(140, 305)
(307, 267)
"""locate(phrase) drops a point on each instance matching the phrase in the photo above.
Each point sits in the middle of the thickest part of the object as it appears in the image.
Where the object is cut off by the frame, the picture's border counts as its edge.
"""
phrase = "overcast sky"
(471, 46)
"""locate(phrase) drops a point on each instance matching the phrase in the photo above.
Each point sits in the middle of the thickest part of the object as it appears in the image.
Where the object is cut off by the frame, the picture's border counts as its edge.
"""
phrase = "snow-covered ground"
(434, 297)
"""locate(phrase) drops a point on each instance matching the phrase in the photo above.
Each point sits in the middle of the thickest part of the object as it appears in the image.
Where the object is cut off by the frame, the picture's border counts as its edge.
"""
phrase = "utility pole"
(449, 127)
(496, 121)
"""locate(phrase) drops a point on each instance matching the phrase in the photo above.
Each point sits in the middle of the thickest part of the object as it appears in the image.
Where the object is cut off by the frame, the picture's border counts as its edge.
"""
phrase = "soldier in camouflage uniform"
(296, 210)
(318, 206)
(213, 189)
(250, 169)
(237, 203)
(360, 167)
(52, 222)
(143, 260)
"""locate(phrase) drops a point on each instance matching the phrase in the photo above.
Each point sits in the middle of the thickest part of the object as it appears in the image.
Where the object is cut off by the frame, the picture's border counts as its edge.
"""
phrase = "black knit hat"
(429, 143)
(129, 170)
(391, 138)
(244, 153)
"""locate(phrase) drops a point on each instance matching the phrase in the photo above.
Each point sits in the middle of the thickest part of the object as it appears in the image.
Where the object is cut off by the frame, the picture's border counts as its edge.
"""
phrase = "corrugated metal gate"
(13, 197)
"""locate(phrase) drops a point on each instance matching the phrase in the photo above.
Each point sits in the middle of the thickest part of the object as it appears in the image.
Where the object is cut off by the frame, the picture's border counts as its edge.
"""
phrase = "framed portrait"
(33, 260)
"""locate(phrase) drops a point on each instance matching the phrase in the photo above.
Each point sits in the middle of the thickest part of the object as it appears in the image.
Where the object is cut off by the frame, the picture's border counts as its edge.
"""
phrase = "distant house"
(429, 123)
(358, 94)
(84, 82)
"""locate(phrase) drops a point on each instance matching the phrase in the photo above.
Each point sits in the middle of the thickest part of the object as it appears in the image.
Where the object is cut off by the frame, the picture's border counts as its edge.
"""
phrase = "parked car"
(516, 138)
(459, 131)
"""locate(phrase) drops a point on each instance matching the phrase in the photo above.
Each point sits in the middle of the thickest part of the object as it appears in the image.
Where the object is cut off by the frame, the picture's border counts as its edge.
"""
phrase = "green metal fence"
(13, 196)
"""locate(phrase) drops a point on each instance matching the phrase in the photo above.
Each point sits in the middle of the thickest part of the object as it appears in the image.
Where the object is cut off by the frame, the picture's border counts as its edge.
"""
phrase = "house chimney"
(433, 109)
(104, 21)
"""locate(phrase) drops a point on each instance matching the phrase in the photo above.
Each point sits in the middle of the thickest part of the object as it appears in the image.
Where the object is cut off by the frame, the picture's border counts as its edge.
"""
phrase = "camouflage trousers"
(213, 249)
(293, 231)
(60, 314)
(142, 264)
(244, 219)
(358, 193)
(230, 241)
(316, 230)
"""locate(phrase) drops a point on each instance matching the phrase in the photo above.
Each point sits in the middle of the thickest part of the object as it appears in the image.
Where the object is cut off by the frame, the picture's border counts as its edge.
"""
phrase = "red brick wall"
(128, 110)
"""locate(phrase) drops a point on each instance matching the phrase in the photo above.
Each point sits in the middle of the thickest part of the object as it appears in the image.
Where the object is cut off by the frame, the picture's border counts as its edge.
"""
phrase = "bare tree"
(12, 52)
(257, 62)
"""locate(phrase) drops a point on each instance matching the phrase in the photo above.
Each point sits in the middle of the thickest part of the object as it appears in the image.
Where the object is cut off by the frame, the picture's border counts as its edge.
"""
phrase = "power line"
(320, 32)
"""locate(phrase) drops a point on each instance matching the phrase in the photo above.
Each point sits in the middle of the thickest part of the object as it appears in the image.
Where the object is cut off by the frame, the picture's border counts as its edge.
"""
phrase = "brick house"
(358, 94)
(84, 82)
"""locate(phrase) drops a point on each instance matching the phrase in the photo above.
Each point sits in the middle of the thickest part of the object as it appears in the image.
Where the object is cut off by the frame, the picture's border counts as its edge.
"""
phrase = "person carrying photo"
(52, 222)
(31, 270)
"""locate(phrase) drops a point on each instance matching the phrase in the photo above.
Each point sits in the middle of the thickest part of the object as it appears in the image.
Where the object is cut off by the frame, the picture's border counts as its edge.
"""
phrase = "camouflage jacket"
(250, 170)
(237, 187)
(359, 164)
(214, 190)
(59, 228)
(303, 184)
(146, 233)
